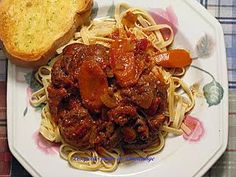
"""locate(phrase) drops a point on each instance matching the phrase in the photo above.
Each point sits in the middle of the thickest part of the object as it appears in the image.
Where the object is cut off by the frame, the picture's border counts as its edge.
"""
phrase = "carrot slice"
(92, 84)
(176, 58)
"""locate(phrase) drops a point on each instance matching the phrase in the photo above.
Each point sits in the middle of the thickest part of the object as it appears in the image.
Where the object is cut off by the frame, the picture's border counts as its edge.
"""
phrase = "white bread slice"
(32, 30)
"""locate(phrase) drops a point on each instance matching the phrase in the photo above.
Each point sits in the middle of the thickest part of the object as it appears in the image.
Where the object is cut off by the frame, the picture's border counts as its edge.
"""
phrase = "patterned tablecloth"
(225, 12)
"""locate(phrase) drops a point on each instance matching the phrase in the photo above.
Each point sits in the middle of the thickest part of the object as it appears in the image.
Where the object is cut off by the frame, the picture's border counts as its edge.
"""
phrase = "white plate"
(180, 157)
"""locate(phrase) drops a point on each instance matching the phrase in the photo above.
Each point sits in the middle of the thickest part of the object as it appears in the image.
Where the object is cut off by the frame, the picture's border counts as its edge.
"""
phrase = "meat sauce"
(82, 76)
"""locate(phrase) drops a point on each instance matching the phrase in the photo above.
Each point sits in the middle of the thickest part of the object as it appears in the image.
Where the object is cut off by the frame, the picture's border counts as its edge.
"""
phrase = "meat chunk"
(122, 114)
(129, 134)
(138, 135)
(156, 122)
(59, 76)
(156, 102)
(98, 53)
(74, 54)
(75, 123)
(143, 92)
(108, 135)
(142, 128)
(55, 97)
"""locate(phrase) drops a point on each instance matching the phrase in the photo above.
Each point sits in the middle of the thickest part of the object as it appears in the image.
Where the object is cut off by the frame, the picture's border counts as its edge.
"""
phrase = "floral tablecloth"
(225, 12)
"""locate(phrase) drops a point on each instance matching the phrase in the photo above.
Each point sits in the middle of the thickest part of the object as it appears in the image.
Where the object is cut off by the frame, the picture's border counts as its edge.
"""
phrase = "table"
(225, 12)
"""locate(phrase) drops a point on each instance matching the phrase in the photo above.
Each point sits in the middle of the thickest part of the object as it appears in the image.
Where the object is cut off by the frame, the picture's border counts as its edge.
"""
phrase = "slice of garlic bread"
(32, 30)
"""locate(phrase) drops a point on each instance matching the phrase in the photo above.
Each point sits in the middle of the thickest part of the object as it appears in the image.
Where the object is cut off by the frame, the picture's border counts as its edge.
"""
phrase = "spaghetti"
(139, 24)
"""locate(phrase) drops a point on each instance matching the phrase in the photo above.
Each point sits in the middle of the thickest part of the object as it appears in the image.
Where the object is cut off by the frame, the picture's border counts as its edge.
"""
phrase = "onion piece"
(108, 101)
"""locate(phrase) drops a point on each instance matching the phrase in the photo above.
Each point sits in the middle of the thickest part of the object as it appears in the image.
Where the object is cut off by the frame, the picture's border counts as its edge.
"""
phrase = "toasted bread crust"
(35, 60)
